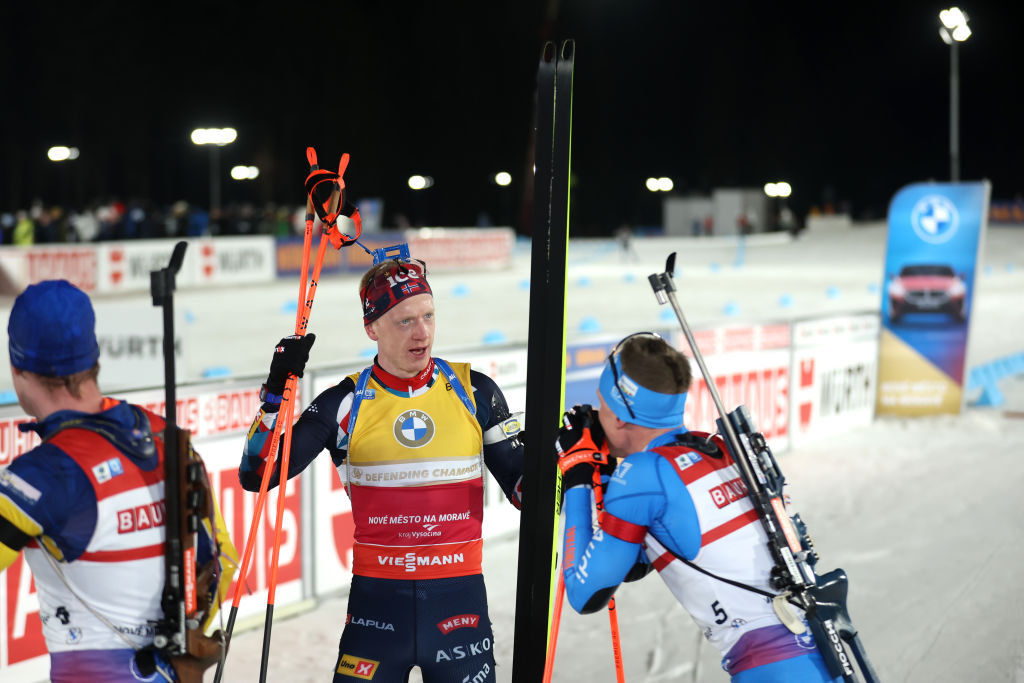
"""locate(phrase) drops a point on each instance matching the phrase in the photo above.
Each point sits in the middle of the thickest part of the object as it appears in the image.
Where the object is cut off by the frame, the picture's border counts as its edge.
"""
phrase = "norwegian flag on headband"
(400, 280)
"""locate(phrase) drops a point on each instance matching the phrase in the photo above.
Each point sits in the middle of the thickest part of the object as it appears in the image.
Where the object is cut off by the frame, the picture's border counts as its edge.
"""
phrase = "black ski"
(545, 358)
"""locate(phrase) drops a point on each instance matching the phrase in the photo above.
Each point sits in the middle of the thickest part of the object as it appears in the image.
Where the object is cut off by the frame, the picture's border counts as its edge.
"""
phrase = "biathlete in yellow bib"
(410, 437)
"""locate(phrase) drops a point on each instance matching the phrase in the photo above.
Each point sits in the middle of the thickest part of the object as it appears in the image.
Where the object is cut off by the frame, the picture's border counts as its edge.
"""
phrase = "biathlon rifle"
(822, 598)
(179, 584)
(192, 570)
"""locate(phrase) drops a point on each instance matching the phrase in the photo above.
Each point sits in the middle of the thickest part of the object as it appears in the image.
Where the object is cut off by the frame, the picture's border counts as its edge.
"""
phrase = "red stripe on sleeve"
(620, 528)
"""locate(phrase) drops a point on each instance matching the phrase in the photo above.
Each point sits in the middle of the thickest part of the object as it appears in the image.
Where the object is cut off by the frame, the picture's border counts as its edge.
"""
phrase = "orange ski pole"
(620, 674)
(286, 410)
(290, 388)
(556, 619)
(328, 233)
(613, 618)
(282, 418)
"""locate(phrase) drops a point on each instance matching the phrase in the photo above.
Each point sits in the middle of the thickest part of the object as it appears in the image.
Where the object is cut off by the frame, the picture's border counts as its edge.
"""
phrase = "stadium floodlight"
(245, 173)
(214, 138)
(953, 31)
(62, 153)
(954, 25)
(659, 184)
(503, 178)
(417, 182)
(780, 189)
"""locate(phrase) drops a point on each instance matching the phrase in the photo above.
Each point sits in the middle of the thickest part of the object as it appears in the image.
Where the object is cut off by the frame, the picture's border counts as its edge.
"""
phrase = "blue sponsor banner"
(584, 362)
(934, 239)
(351, 259)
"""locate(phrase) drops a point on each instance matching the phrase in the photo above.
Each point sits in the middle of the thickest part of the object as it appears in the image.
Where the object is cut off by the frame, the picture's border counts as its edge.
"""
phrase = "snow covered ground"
(926, 516)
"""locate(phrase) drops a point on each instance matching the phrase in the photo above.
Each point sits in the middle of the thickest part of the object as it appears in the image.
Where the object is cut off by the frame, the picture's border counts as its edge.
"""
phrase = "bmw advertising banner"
(934, 239)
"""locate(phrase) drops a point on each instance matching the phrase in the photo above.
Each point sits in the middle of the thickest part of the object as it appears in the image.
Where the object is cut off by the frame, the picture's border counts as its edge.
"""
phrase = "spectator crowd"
(117, 220)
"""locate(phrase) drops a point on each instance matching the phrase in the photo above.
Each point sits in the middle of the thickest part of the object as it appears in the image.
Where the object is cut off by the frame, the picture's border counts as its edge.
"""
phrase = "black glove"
(582, 451)
(290, 357)
(579, 423)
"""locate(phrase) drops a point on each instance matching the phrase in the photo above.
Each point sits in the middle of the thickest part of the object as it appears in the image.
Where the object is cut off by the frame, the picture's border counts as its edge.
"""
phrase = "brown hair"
(73, 383)
(655, 365)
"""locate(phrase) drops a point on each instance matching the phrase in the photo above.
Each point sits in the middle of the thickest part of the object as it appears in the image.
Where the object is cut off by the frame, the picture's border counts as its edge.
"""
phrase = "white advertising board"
(835, 372)
(750, 366)
(118, 267)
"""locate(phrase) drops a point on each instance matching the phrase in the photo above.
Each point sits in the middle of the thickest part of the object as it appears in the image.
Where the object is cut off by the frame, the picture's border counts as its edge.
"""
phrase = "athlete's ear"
(371, 332)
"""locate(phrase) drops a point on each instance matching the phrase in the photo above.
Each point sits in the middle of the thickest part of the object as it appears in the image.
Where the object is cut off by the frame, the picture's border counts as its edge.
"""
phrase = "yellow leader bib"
(415, 476)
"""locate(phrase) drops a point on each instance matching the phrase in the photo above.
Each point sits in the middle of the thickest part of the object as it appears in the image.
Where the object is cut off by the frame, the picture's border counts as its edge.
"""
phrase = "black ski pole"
(171, 636)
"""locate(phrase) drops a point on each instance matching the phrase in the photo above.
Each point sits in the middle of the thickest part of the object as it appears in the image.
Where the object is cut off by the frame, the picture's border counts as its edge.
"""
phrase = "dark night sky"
(847, 103)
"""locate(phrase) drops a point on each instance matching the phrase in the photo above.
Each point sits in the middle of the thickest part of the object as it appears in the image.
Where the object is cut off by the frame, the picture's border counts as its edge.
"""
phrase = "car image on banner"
(927, 288)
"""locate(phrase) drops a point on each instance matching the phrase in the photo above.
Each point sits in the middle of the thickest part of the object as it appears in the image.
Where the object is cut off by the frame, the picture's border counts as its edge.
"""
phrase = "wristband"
(268, 397)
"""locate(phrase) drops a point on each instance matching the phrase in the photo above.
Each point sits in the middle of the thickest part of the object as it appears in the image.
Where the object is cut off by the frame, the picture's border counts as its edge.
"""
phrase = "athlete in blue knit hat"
(676, 503)
(87, 505)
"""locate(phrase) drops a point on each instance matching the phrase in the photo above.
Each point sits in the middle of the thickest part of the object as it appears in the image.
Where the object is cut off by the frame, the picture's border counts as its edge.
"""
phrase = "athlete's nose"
(420, 329)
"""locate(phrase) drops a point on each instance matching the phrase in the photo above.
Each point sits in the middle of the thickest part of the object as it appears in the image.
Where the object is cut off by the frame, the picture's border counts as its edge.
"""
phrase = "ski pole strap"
(326, 192)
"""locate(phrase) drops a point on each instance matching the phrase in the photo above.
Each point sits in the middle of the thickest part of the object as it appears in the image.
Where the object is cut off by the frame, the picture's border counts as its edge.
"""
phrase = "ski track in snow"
(925, 515)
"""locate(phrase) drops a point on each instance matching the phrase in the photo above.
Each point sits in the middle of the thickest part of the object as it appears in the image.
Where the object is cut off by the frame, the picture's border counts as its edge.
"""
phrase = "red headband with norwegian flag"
(401, 280)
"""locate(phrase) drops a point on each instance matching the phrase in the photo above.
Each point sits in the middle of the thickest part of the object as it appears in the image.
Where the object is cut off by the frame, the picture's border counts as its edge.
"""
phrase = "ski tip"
(311, 158)
(568, 48)
(547, 53)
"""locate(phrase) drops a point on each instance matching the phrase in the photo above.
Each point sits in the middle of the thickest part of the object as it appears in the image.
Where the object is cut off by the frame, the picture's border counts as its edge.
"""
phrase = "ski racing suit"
(87, 507)
(672, 501)
(411, 454)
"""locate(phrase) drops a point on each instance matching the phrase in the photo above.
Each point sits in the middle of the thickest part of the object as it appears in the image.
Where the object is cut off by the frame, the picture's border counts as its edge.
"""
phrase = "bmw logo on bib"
(414, 428)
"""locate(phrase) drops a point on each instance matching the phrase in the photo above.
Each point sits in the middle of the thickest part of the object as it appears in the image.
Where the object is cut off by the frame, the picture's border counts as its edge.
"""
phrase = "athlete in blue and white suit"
(671, 496)
(87, 505)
